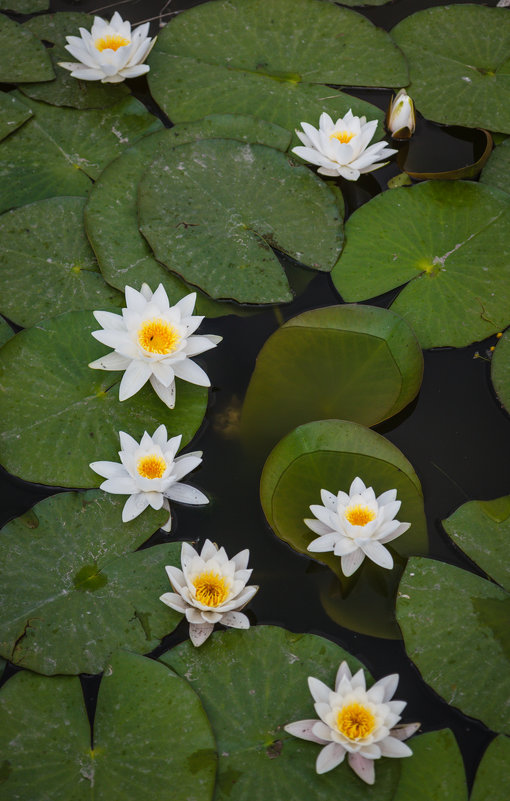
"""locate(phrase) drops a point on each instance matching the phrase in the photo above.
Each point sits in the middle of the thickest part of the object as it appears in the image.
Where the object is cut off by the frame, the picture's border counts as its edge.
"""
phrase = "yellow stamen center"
(152, 466)
(355, 721)
(343, 136)
(111, 42)
(211, 589)
(158, 336)
(359, 515)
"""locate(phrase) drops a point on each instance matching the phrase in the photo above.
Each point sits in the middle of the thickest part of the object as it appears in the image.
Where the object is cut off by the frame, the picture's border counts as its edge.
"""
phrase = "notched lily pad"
(454, 621)
(346, 362)
(450, 241)
(500, 370)
(210, 211)
(13, 113)
(59, 415)
(23, 56)
(47, 268)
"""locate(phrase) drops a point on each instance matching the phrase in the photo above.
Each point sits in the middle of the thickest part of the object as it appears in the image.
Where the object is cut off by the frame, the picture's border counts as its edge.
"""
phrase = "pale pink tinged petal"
(303, 730)
(377, 553)
(187, 304)
(318, 528)
(199, 344)
(194, 615)
(184, 465)
(86, 74)
(136, 375)
(322, 544)
(174, 601)
(322, 732)
(388, 685)
(320, 691)
(401, 529)
(235, 620)
(371, 751)
(108, 469)
(241, 559)
(387, 497)
(405, 730)
(134, 72)
(111, 361)
(350, 562)
(303, 138)
(183, 493)
(392, 747)
(189, 371)
(329, 500)
(165, 394)
(120, 485)
(329, 757)
(357, 487)
(364, 768)
(198, 633)
(134, 506)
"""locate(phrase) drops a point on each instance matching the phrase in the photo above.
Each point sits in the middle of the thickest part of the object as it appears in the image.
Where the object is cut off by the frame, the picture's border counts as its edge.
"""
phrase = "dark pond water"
(455, 434)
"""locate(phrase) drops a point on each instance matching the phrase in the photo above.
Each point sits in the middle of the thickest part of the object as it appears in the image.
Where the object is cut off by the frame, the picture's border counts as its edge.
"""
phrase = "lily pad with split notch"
(23, 56)
(73, 590)
(212, 210)
(59, 415)
(449, 242)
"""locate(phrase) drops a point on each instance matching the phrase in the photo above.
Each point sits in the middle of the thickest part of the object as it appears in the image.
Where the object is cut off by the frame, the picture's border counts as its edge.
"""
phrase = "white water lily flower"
(150, 474)
(341, 148)
(210, 588)
(356, 525)
(152, 342)
(401, 120)
(110, 52)
(355, 721)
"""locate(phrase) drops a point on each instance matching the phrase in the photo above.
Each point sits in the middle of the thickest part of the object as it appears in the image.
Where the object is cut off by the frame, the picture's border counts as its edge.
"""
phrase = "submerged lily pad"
(497, 170)
(235, 56)
(59, 415)
(329, 454)
(72, 590)
(482, 530)
(111, 214)
(459, 63)
(500, 370)
(356, 363)
(23, 56)
(13, 113)
(260, 677)
(59, 150)
(66, 90)
(450, 241)
(145, 716)
(47, 268)
(492, 777)
(210, 211)
(455, 628)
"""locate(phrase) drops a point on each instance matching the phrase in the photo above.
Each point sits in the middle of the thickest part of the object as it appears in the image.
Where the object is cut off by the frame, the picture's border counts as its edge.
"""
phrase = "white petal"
(342, 673)
(377, 553)
(174, 601)
(108, 469)
(401, 529)
(111, 361)
(114, 322)
(183, 493)
(187, 304)
(329, 757)
(189, 371)
(184, 465)
(364, 768)
(198, 633)
(136, 375)
(320, 691)
(391, 747)
(357, 486)
(351, 562)
(166, 394)
(388, 685)
(404, 730)
(303, 730)
(235, 620)
(200, 344)
(319, 528)
(120, 485)
(134, 506)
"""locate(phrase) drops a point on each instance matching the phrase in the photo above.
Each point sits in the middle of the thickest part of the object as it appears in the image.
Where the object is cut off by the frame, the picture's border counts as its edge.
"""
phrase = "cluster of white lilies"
(153, 341)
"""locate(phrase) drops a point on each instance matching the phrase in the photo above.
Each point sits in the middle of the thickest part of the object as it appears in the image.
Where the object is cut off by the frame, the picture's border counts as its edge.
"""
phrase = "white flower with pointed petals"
(355, 721)
(341, 147)
(210, 588)
(110, 52)
(153, 341)
(356, 525)
(150, 474)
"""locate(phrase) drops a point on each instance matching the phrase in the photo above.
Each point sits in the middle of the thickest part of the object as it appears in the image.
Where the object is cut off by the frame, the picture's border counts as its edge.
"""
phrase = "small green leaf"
(23, 56)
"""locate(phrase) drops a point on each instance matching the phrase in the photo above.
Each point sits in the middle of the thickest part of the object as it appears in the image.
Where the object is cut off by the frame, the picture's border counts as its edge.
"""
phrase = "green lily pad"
(147, 718)
(228, 202)
(60, 149)
(492, 776)
(47, 268)
(436, 770)
(111, 214)
(482, 530)
(25, 6)
(452, 239)
(356, 363)
(453, 623)
(66, 90)
(459, 63)
(259, 679)
(329, 454)
(59, 415)
(500, 370)
(12, 114)
(234, 56)
(6, 331)
(497, 170)
(72, 590)
(24, 57)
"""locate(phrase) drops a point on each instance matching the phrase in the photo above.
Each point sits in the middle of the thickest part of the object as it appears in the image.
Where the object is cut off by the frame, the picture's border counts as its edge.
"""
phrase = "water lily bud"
(400, 120)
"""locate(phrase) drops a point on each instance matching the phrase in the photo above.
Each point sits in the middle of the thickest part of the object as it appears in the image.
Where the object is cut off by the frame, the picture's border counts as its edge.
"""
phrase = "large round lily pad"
(492, 777)
(436, 770)
(72, 591)
(497, 170)
(59, 415)
(47, 268)
(13, 113)
(258, 678)
(329, 454)
(450, 241)
(459, 61)
(59, 150)
(111, 214)
(500, 370)
(346, 362)
(149, 727)
(22, 56)
(66, 90)
(482, 530)
(211, 210)
(271, 61)
(455, 628)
